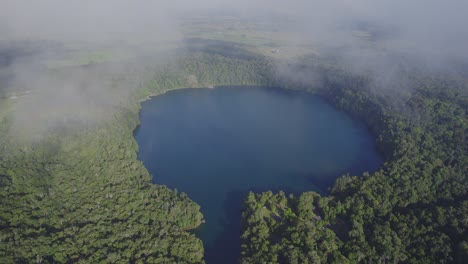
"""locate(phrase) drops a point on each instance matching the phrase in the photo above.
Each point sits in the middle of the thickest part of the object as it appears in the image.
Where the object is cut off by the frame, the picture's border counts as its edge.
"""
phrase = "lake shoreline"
(246, 138)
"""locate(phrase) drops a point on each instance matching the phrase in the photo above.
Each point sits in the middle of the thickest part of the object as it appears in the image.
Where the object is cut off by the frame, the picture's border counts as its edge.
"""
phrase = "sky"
(428, 32)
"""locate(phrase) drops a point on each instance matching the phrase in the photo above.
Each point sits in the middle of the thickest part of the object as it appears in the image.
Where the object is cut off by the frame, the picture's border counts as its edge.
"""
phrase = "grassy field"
(6, 106)
(265, 39)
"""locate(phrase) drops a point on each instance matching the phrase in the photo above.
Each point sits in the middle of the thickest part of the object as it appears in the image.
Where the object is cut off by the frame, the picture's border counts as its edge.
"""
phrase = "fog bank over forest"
(431, 34)
(429, 27)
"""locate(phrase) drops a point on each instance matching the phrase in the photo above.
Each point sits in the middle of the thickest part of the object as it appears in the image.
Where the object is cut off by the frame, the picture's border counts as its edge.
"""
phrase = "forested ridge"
(80, 195)
(413, 210)
(85, 198)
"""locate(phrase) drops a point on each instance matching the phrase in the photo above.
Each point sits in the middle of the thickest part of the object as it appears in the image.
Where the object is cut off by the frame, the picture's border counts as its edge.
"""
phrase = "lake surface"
(216, 145)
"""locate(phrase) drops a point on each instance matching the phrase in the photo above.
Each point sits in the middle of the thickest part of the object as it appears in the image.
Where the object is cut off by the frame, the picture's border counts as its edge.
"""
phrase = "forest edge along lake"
(218, 144)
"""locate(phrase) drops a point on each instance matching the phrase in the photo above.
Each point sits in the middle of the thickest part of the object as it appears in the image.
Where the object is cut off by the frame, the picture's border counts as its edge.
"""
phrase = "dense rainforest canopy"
(413, 210)
(80, 195)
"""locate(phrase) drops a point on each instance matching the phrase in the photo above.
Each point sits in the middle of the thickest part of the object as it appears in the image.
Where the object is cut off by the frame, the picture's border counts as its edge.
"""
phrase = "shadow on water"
(227, 247)
(324, 182)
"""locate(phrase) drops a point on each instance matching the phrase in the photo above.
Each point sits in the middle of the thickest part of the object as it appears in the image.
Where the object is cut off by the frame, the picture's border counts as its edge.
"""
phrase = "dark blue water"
(218, 144)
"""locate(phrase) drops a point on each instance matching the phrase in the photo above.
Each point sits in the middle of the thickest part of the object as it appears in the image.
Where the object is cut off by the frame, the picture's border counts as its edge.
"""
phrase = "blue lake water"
(218, 144)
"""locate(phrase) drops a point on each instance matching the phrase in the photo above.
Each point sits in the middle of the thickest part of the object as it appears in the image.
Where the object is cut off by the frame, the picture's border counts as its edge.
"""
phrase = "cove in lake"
(216, 145)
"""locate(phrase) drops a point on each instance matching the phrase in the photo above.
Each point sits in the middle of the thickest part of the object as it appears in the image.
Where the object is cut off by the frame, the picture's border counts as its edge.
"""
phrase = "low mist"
(60, 59)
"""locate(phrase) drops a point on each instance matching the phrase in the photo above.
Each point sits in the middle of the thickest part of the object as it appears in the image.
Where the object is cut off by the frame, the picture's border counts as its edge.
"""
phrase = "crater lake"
(218, 144)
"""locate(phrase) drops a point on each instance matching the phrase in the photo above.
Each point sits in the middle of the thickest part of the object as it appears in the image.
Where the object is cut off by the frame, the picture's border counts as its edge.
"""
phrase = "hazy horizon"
(369, 36)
